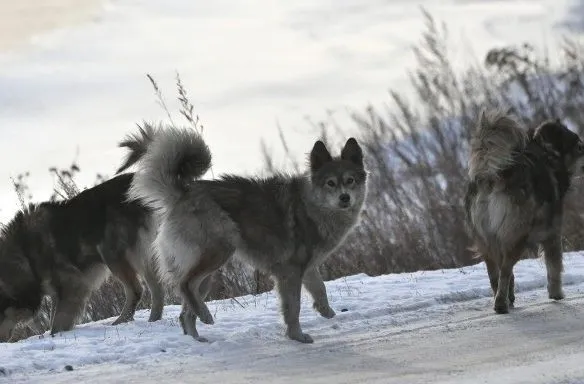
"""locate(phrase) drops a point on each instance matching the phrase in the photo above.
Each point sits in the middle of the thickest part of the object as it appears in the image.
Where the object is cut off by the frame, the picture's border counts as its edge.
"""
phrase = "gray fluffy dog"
(514, 203)
(283, 225)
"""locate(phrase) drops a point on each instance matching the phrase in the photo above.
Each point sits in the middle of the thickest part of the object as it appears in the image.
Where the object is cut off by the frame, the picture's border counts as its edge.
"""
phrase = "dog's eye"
(330, 183)
(350, 181)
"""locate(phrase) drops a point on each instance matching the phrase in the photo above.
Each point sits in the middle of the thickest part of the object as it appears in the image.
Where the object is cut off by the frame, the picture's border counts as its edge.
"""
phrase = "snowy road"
(442, 330)
(539, 343)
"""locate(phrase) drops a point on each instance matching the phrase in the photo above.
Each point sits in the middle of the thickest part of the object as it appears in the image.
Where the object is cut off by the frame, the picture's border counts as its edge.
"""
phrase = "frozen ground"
(417, 327)
(75, 92)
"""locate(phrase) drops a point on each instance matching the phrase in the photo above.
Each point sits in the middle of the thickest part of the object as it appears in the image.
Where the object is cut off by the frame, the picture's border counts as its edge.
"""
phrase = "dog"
(284, 225)
(66, 250)
(514, 200)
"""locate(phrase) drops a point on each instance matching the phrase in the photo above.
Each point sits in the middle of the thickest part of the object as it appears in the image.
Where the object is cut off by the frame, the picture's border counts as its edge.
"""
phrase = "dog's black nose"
(345, 198)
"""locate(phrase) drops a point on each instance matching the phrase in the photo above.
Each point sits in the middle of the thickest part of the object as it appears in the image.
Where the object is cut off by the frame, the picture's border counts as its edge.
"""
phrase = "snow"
(72, 94)
(250, 327)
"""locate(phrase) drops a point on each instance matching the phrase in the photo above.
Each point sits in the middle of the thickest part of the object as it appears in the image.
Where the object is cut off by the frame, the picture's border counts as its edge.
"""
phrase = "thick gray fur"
(494, 143)
(67, 249)
(284, 225)
(514, 202)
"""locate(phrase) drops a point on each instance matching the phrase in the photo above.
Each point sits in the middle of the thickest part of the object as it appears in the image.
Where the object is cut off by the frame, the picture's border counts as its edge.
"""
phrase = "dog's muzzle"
(345, 200)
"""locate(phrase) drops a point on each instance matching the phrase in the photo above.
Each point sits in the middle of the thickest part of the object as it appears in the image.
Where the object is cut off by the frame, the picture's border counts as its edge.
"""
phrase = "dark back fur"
(536, 183)
(20, 284)
(83, 219)
(59, 234)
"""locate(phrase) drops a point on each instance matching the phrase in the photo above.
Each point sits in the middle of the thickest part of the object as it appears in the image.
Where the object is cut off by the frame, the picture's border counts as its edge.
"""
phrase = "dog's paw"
(301, 337)
(121, 320)
(154, 317)
(511, 301)
(188, 323)
(182, 323)
(501, 305)
(557, 295)
(501, 309)
(326, 312)
(201, 339)
(206, 317)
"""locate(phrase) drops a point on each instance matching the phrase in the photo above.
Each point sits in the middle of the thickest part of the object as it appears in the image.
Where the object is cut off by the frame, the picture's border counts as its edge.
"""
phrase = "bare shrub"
(417, 152)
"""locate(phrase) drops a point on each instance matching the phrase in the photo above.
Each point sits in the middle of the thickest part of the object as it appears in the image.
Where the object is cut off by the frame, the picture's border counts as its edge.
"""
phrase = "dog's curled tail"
(497, 138)
(137, 144)
(172, 159)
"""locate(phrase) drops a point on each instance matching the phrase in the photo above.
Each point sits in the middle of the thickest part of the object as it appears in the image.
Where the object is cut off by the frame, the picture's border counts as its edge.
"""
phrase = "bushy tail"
(168, 160)
(497, 138)
(137, 143)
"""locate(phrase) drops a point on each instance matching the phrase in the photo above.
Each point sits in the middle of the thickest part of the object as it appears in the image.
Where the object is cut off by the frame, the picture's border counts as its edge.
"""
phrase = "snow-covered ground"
(395, 328)
(75, 92)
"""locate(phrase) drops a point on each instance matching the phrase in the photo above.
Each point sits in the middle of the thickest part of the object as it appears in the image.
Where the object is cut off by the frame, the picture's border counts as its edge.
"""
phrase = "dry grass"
(417, 152)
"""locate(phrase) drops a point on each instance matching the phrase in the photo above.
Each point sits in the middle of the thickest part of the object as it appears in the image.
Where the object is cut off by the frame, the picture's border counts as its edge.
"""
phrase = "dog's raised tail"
(137, 144)
(493, 145)
(172, 159)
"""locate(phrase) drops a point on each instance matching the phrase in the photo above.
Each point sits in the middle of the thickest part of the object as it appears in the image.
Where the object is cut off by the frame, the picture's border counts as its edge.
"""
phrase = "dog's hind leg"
(502, 296)
(156, 295)
(206, 286)
(289, 286)
(512, 290)
(210, 260)
(552, 249)
(188, 319)
(132, 289)
(506, 278)
(493, 271)
(315, 286)
(117, 259)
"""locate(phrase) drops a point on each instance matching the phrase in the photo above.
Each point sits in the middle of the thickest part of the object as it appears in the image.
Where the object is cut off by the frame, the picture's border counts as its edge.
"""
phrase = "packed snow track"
(423, 327)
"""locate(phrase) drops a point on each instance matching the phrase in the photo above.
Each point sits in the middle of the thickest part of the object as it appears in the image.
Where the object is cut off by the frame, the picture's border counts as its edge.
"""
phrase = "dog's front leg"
(315, 286)
(69, 304)
(289, 285)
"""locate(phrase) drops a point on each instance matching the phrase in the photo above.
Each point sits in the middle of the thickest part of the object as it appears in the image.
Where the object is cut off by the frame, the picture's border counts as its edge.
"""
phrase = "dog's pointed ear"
(319, 156)
(482, 119)
(549, 136)
(352, 152)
